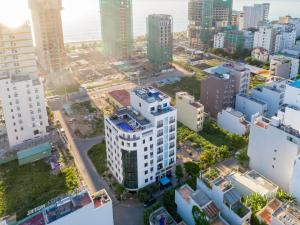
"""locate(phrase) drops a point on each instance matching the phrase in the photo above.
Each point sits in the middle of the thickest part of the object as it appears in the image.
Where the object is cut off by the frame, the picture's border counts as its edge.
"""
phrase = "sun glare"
(13, 12)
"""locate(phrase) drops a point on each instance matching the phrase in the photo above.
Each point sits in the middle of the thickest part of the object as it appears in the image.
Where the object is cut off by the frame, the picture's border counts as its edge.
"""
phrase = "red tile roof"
(121, 96)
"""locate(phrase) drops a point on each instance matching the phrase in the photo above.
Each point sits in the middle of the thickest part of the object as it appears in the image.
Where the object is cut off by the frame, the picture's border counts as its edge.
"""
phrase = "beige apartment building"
(189, 111)
(48, 33)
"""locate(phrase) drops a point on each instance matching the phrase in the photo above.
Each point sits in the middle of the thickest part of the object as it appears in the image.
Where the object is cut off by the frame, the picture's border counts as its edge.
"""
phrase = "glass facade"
(130, 175)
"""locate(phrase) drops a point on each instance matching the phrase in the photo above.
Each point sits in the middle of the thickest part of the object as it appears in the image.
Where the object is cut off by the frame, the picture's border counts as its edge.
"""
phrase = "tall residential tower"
(116, 27)
(21, 92)
(48, 33)
(160, 39)
(205, 18)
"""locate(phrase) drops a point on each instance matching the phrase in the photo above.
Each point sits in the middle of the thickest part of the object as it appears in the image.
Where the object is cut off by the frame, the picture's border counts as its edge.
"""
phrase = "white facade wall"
(272, 94)
(232, 121)
(155, 145)
(219, 39)
(292, 95)
(17, 55)
(89, 215)
(272, 152)
(250, 106)
(189, 111)
(260, 54)
(265, 38)
(285, 40)
(24, 109)
(294, 63)
(184, 208)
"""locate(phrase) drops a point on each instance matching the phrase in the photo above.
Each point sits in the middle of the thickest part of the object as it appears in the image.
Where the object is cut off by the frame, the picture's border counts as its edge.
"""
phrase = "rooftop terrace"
(63, 206)
(150, 94)
(161, 216)
(288, 214)
(129, 120)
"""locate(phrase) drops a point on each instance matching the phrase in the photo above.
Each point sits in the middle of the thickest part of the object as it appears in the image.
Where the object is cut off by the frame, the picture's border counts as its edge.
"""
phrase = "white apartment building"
(21, 92)
(285, 38)
(233, 121)
(79, 208)
(219, 40)
(23, 102)
(280, 67)
(250, 106)
(272, 94)
(189, 112)
(254, 15)
(17, 55)
(295, 62)
(265, 38)
(141, 139)
(274, 152)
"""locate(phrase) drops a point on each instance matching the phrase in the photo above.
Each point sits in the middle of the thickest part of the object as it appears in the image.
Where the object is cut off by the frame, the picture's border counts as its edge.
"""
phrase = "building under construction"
(48, 33)
(160, 40)
(116, 27)
(206, 17)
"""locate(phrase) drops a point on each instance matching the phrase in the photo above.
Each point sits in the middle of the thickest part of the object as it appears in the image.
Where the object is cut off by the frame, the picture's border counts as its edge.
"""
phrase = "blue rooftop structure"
(165, 181)
(295, 84)
(125, 126)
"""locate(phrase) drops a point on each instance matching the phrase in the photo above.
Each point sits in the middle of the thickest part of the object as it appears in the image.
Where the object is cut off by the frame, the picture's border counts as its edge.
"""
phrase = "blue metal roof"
(164, 181)
(296, 84)
(33, 151)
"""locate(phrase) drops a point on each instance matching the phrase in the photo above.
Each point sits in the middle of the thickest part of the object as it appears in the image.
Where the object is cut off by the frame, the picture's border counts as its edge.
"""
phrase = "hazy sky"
(14, 12)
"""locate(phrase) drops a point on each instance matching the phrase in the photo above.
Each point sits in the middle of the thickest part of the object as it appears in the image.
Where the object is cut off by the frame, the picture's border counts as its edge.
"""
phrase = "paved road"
(125, 213)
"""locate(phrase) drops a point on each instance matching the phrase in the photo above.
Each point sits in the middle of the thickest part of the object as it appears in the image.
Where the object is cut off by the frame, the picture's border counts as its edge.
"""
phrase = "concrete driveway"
(126, 212)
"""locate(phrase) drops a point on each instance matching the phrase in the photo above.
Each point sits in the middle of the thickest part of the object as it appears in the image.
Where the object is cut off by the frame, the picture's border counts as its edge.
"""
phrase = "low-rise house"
(272, 94)
(76, 209)
(233, 121)
(189, 111)
(250, 106)
(294, 61)
(161, 216)
(265, 215)
(227, 199)
(280, 67)
(287, 214)
(252, 182)
(261, 54)
(189, 201)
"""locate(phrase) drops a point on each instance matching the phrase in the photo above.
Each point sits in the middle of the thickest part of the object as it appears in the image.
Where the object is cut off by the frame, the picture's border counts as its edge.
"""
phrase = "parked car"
(149, 202)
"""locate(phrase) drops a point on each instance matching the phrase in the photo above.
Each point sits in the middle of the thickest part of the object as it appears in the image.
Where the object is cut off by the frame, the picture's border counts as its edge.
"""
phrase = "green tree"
(256, 202)
(192, 169)
(179, 173)
(199, 216)
(284, 196)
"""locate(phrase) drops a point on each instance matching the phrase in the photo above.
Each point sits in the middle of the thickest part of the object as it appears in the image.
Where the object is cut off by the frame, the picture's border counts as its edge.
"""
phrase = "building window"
(146, 180)
(145, 149)
(146, 172)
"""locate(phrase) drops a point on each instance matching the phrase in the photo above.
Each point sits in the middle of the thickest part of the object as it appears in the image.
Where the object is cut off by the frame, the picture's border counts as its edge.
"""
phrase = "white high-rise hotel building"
(21, 92)
(274, 145)
(141, 139)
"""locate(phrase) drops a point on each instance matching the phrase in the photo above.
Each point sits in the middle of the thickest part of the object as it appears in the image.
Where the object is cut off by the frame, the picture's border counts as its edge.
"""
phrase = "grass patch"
(25, 187)
(188, 84)
(98, 156)
(256, 81)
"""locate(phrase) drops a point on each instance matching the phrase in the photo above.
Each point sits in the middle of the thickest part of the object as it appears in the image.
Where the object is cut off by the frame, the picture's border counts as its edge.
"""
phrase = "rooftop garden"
(25, 187)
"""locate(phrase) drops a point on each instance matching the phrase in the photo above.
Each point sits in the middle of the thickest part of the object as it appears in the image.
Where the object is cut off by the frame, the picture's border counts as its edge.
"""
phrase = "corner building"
(141, 139)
